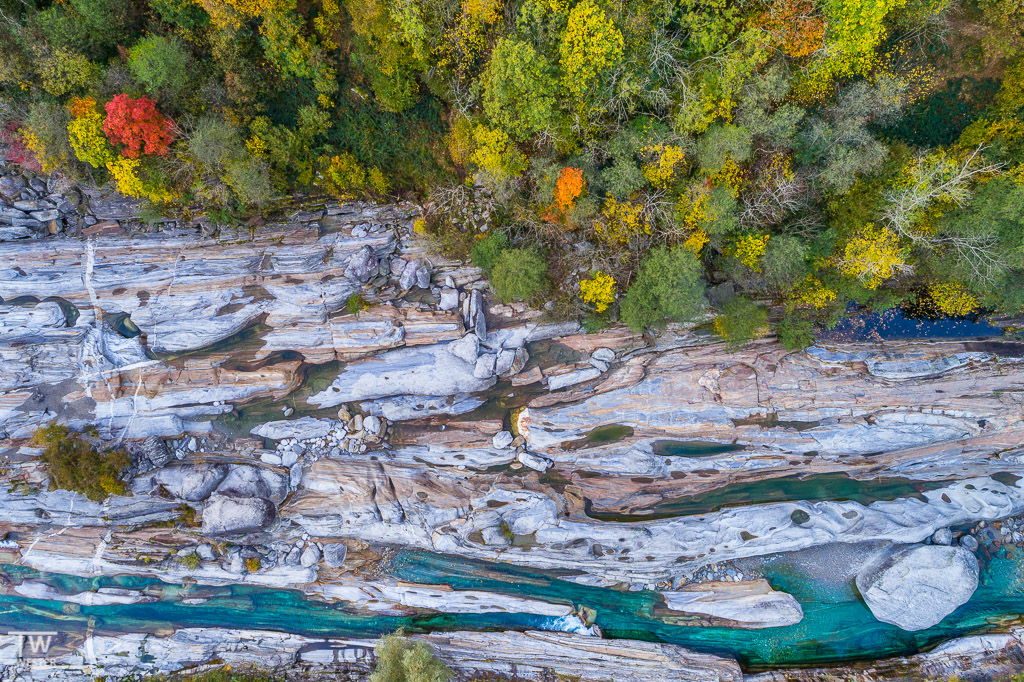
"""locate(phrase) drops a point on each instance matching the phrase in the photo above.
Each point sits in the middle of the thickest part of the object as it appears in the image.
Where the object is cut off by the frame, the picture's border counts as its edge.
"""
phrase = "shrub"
(343, 176)
(252, 565)
(784, 262)
(795, 332)
(496, 155)
(85, 132)
(356, 304)
(952, 298)
(519, 274)
(568, 187)
(161, 64)
(400, 660)
(748, 249)
(191, 561)
(72, 463)
(598, 289)
(45, 134)
(741, 321)
(63, 72)
(486, 251)
(668, 289)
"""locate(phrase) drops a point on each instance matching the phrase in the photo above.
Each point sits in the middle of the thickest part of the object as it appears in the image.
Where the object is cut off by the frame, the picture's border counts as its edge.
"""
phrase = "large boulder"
(423, 370)
(415, 274)
(233, 515)
(302, 429)
(916, 586)
(362, 265)
(191, 482)
(249, 481)
(466, 349)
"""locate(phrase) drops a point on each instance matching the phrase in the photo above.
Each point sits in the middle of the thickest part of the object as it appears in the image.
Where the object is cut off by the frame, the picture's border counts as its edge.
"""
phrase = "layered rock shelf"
(318, 403)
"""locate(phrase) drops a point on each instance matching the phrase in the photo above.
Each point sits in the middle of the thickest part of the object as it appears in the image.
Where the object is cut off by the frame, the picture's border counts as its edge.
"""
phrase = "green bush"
(72, 463)
(669, 288)
(486, 251)
(784, 262)
(356, 304)
(185, 13)
(401, 660)
(795, 332)
(214, 143)
(741, 321)
(519, 275)
(249, 178)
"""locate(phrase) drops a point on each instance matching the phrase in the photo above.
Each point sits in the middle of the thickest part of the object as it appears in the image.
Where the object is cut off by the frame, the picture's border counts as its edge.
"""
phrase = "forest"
(759, 164)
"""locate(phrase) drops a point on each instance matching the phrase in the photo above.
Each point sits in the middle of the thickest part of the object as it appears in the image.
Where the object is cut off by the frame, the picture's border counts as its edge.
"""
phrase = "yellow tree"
(872, 255)
(591, 46)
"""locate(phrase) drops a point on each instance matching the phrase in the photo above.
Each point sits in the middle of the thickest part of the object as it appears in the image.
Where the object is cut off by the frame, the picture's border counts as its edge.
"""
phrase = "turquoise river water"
(837, 627)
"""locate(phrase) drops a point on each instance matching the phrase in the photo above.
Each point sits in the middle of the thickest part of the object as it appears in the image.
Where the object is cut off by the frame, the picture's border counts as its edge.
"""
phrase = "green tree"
(784, 262)
(741, 321)
(994, 218)
(519, 274)
(794, 331)
(388, 53)
(519, 89)
(721, 143)
(402, 660)
(486, 251)
(161, 64)
(669, 288)
(185, 13)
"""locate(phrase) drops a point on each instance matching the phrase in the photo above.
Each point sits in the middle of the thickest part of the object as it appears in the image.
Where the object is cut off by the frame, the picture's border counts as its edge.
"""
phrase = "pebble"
(943, 536)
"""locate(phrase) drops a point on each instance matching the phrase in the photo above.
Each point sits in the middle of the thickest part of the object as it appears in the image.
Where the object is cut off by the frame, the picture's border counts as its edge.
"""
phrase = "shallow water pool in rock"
(832, 486)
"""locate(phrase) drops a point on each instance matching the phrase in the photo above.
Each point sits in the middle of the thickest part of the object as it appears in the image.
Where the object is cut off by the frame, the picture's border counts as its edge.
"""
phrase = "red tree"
(137, 126)
(13, 148)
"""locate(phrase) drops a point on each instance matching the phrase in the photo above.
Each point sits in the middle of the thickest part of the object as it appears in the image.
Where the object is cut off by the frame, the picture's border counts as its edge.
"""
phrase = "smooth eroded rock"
(301, 429)
(915, 586)
(193, 482)
(231, 515)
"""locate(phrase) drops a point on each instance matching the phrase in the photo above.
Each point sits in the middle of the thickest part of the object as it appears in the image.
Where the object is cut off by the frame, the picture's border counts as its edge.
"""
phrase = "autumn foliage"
(138, 127)
(797, 25)
(568, 187)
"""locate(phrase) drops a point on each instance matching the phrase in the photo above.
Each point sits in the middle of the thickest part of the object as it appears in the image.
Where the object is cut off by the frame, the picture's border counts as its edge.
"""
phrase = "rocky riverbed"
(283, 439)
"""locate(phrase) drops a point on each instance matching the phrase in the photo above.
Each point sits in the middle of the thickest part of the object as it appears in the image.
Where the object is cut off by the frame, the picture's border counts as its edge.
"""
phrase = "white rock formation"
(916, 586)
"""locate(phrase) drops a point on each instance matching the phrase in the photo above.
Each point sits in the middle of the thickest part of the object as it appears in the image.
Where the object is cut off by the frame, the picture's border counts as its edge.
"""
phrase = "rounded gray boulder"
(916, 586)
(229, 515)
